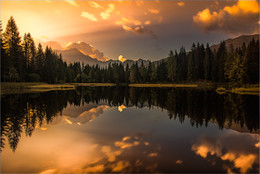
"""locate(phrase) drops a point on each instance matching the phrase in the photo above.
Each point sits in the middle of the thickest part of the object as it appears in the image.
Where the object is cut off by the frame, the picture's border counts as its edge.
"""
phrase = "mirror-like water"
(121, 129)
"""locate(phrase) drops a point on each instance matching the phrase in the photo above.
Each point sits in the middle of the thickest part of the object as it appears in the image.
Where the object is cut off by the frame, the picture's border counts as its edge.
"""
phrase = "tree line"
(21, 61)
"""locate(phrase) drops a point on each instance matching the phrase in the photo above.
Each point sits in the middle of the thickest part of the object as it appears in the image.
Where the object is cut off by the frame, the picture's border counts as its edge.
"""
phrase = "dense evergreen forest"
(21, 61)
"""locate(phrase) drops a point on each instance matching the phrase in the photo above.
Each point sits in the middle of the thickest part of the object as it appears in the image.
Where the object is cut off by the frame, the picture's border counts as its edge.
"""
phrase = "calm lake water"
(121, 129)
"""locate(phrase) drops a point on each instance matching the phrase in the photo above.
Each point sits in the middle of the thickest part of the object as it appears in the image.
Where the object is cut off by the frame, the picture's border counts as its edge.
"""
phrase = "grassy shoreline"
(247, 90)
(24, 87)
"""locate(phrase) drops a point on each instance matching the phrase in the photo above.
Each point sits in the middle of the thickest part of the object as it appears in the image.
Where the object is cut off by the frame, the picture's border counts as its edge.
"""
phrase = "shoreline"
(31, 87)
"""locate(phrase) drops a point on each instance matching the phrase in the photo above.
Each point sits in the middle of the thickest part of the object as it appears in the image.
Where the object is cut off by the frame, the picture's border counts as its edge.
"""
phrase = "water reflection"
(223, 148)
(104, 129)
(27, 111)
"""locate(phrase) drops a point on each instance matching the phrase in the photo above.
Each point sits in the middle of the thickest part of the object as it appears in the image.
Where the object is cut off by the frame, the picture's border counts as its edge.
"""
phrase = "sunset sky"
(134, 29)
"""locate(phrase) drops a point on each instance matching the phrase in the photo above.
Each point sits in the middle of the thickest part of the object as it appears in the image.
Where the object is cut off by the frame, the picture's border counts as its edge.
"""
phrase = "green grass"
(245, 90)
(25, 87)
(164, 85)
(93, 84)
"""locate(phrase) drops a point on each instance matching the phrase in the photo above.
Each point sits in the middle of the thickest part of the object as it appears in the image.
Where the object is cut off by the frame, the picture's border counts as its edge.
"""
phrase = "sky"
(133, 29)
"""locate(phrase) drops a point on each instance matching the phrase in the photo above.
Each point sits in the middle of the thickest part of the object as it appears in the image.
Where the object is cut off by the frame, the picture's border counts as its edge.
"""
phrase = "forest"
(22, 61)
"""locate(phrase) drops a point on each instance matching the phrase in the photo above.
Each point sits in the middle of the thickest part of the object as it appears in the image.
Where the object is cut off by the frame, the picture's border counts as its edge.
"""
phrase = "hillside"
(237, 42)
(74, 55)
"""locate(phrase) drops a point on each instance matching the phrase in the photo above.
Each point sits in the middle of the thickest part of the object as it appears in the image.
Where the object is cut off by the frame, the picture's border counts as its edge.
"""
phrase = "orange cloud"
(89, 16)
(48, 171)
(139, 30)
(154, 11)
(106, 14)
(72, 2)
(147, 22)
(95, 5)
(86, 116)
(180, 4)
(87, 49)
(121, 59)
(124, 145)
(95, 169)
(111, 155)
(240, 157)
(179, 162)
(119, 166)
(124, 21)
(53, 44)
(68, 121)
(153, 154)
(239, 18)
(139, 3)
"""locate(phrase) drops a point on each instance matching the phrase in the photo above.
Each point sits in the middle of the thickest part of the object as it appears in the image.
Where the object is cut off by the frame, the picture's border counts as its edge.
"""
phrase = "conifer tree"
(13, 49)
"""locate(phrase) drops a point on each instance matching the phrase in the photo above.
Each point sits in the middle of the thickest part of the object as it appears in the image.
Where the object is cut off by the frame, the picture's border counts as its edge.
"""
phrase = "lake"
(122, 129)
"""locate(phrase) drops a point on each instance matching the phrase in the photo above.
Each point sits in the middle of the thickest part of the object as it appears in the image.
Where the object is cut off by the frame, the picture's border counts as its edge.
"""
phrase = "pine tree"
(191, 62)
(39, 60)
(221, 58)
(172, 66)
(29, 51)
(143, 73)
(5, 61)
(252, 57)
(13, 49)
(208, 63)
(149, 71)
(182, 65)
(127, 74)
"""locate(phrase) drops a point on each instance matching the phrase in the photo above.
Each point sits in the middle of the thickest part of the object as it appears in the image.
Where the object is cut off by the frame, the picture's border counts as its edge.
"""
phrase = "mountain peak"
(87, 49)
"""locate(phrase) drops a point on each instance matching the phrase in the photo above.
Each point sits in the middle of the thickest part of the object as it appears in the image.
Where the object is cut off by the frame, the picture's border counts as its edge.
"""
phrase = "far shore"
(31, 87)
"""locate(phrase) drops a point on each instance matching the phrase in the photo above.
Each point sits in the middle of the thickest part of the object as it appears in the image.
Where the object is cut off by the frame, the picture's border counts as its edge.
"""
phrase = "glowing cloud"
(147, 22)
(154, 11)
(68, 121)
(95, 5)
(124, 21)
(139, 30)
(180, 4)
(106, 14)
(72, 2)
(120, 165)
(124, 145)
(152, 154)
(121, 59)
(95, 169)
(43, 37)
(239, 18)
(139, 3)
(111, 155)
(55, 45)
(86, 116)
(241, 159)
(48, 171)
(179, 162)
(89, 16)
(87, 49)
(44, 128)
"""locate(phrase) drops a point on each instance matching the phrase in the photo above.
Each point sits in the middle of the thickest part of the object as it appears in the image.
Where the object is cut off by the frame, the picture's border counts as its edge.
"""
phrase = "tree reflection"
(25, 112)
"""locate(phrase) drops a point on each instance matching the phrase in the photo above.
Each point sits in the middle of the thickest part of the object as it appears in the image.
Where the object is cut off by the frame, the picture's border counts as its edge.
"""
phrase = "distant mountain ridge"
(74, 55)
(78, 52)
(237, 41)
